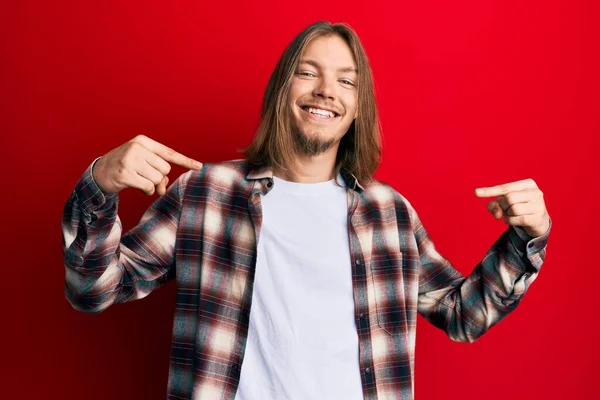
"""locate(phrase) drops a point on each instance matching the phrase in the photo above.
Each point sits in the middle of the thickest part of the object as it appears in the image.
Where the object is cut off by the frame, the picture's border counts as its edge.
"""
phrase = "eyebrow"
(317, 65)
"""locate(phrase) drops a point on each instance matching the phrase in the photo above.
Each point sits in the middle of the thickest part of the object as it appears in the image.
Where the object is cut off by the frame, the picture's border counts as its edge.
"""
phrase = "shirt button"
(357, 262)
(362, 315)
(368, 370)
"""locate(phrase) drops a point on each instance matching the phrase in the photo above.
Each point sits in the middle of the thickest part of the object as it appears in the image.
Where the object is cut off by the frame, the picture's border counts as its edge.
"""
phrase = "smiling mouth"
(320, 113)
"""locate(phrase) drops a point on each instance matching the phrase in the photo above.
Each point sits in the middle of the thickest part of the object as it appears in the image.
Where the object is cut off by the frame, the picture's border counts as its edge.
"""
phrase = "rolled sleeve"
(525, 246)
(91, 198)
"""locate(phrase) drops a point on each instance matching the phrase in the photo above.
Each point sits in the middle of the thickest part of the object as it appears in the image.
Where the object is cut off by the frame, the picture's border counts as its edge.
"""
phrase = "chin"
(314, 143)
(318, 135)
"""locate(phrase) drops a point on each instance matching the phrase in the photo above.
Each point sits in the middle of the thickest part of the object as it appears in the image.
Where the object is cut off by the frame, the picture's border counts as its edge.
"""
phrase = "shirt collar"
(267, 173)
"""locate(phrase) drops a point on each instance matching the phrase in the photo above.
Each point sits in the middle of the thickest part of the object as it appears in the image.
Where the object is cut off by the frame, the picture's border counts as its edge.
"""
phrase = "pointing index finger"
(501, 190)
(170, 155)
(179, 159)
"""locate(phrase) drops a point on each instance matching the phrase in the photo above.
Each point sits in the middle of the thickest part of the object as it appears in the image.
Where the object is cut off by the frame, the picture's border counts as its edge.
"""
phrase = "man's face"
(323, 94)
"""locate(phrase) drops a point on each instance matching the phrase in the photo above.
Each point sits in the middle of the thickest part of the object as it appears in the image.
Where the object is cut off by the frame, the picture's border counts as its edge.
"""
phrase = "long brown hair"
(273, 145)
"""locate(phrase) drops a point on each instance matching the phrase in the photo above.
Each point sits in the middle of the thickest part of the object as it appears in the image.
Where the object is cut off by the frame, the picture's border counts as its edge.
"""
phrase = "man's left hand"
(521, 204)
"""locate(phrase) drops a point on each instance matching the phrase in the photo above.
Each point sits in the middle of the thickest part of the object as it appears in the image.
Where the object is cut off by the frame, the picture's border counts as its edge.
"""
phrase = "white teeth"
(323, 113)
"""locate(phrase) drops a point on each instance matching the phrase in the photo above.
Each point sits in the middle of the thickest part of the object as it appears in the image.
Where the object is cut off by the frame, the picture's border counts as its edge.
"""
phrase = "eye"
(308, 74)
(347, 82)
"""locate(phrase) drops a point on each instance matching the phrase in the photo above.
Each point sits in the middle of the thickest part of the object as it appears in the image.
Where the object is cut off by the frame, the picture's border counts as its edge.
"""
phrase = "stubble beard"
(311, 145)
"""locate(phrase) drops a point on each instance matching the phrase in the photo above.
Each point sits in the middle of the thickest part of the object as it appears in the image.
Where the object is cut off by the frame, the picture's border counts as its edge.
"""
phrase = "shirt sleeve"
(104, 267)
(465, 308)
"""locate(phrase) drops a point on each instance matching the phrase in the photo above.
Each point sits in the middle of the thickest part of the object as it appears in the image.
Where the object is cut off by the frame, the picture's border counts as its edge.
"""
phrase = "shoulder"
(227, 173)
(382, 196)
(382, 192)
(225, 177)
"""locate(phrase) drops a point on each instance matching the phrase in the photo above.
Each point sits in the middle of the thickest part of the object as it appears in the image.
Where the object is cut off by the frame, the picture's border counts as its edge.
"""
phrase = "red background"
(471, 93)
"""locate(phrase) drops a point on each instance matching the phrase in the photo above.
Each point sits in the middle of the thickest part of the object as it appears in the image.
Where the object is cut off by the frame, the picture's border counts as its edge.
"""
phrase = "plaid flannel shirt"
(203, 232)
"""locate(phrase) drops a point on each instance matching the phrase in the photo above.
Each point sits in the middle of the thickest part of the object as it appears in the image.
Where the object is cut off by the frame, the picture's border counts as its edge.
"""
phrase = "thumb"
(161, 188)
(495, 209)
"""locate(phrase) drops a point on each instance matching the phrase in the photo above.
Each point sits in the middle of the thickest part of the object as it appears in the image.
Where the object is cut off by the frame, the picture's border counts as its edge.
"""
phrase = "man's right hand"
(141, 163)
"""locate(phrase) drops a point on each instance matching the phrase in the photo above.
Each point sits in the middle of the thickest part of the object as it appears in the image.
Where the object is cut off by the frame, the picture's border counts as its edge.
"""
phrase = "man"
(299, 276)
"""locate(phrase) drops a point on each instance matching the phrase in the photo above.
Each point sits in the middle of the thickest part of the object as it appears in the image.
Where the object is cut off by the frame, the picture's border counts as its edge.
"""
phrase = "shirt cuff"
(91, 198)
(530, 247)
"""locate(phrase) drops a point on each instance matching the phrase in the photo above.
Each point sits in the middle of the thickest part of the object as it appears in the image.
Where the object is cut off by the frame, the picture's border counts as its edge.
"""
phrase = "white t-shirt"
(302, 341)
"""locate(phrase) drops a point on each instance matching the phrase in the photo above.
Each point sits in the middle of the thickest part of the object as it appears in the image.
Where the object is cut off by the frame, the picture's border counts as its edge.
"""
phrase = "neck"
(310, 169)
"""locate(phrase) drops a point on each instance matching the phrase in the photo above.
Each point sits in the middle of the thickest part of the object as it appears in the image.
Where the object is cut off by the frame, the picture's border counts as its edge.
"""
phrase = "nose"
(325, 88)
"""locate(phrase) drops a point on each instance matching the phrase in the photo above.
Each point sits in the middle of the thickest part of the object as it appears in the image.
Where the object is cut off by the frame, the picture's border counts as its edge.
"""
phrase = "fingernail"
(479, 191)
(197, 164)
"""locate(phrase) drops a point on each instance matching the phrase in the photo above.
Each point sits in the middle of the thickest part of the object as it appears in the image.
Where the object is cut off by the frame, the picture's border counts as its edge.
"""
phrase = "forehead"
(330, 52)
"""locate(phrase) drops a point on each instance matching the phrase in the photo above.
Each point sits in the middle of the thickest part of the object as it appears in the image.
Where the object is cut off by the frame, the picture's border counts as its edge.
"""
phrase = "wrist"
(97, 166)
(539, 230)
